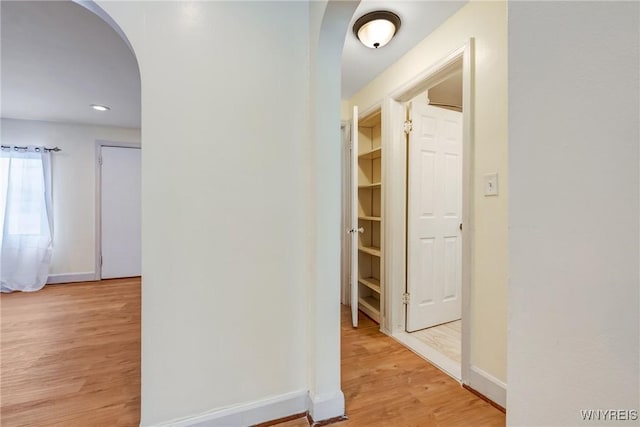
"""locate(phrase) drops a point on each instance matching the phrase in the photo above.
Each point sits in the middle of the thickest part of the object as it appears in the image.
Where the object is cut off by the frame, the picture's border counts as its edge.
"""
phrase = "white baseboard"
(249, 413)
(327, 406)
(488, 385)
(71, 277)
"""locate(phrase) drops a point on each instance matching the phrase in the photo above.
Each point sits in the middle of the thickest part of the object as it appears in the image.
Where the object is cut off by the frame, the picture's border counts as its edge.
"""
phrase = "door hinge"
(406, 297)
(408, 126)
(100, 160)
(100, 260)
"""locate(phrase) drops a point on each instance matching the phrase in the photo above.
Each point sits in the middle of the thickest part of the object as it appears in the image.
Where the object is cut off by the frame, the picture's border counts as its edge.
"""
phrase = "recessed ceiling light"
(99, 107)
(376, 29)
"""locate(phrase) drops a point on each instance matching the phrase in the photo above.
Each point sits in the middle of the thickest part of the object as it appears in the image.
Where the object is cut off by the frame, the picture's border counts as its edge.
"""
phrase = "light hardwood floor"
(444, 338)
(70, 355)
(385, 384)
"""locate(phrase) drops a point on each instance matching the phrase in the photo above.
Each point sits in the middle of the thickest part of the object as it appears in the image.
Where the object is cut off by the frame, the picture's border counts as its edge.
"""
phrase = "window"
(24, 200)
(25, 218)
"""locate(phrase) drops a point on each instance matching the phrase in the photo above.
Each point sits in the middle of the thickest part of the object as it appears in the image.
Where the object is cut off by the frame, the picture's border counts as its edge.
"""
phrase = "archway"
(165, 323)
(327, 398)
(70, 59)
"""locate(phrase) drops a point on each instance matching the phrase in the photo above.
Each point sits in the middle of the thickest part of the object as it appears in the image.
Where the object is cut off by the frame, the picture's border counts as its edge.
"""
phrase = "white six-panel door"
(434, 217)
(120, 212)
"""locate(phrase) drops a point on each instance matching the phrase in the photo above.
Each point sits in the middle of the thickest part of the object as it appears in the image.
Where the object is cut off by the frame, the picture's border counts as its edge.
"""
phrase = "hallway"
(385, 384)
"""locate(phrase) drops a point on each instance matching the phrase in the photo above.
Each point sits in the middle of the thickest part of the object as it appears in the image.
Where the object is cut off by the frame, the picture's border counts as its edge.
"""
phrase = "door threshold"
(431, 355)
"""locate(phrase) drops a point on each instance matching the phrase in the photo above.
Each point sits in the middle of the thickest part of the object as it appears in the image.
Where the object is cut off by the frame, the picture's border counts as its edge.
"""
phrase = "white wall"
(327, 29)
(487, 23)
(574, 233)
(345, 110)
(74, 172)
(227, 225)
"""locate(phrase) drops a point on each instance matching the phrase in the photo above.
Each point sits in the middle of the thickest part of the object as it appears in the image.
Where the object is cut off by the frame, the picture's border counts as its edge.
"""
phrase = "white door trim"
(98, 203)
(394, 174)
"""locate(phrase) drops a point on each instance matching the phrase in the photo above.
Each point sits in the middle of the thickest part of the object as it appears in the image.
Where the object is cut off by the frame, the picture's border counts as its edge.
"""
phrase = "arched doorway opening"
(59, 60)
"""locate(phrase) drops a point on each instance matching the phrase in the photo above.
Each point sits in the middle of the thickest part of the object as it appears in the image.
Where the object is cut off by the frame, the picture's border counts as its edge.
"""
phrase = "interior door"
(345, 220)
(434, 216)
(353, 230)
(120, 212)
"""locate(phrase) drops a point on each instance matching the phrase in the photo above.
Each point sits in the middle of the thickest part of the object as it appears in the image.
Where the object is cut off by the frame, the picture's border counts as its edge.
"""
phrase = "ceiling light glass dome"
(376, 29)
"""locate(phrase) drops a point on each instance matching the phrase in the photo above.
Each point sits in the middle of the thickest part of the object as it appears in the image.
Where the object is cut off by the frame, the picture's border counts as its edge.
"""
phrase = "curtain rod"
(37, 149)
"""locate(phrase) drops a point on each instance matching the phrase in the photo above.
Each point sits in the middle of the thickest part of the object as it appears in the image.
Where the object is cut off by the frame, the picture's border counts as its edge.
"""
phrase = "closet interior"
(370, 216)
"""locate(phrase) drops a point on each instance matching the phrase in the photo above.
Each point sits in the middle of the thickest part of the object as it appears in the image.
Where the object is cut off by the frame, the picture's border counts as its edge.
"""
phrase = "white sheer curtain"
(26, 220)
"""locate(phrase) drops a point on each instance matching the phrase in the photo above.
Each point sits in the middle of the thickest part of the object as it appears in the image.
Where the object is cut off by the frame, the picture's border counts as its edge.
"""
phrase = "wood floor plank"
(70, 355)
(385, 384)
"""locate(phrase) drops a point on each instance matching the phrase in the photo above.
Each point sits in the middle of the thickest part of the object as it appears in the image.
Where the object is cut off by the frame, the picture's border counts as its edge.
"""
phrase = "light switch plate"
(491, 184)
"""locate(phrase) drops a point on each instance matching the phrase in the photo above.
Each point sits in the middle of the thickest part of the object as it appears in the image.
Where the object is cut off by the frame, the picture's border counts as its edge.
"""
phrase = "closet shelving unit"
(370, 254)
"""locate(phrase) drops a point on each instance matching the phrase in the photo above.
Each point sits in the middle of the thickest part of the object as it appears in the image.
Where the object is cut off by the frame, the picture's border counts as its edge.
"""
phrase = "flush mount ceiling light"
(99, 107)
(376, 29)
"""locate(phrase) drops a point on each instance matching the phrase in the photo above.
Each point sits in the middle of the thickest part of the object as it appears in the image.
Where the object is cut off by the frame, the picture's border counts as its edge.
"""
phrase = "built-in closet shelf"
(371, 154)
(371, 307)
(371, 283)
(373, 185)
(368, 200)
(371, 250)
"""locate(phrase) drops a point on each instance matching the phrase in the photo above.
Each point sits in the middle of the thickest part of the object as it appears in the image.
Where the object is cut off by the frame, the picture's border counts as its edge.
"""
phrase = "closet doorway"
(434, 224)
(118, 210)
(365, 216)
(409, 216)
(429, 300)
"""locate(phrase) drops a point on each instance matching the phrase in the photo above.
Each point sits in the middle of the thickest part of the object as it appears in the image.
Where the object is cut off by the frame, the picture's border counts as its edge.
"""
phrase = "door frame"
(394, 175)
(345, 259)
(98, 202)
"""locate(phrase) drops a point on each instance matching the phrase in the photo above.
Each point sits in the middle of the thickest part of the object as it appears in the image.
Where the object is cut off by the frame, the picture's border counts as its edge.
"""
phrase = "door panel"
(345, 223)
(452, 185)
(451, 263)
(426, 255)
(120, 212)
(426, 185)
(433, 217)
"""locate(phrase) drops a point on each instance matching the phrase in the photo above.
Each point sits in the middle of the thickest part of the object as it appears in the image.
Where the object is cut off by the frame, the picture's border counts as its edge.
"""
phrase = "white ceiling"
(57, 58)
(360, 64)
